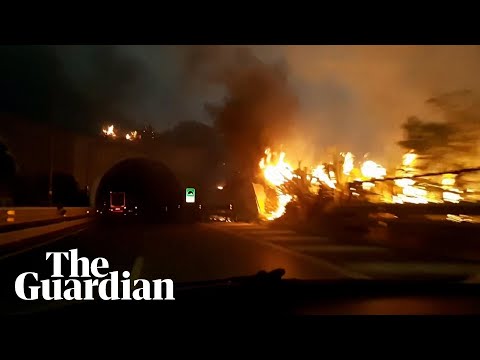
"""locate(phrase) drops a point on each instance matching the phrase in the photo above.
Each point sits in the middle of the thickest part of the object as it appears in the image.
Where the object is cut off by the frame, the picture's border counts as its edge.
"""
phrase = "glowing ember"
(371, 169)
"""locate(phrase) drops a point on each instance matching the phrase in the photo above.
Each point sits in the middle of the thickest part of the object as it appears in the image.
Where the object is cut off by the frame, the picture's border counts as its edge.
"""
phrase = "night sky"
(355, 97)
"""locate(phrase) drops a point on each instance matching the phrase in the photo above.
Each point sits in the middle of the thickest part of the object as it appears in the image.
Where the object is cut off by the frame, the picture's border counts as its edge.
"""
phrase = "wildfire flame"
(348, 163)
(409, 158)
(110, 131)
(368, 185)
(277, 173)
(320, 173)
(451, 197)
(448, 180)
(412, 192)
(451, 194)
(370, 169)
(283, 200)
(131, 136)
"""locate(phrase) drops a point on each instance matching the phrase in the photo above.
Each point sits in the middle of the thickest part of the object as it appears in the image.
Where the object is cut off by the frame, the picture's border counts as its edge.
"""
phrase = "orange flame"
(277, 173)
(348, 163)
(110, 131)
(321, 175)
(370, 169)
(131, 136)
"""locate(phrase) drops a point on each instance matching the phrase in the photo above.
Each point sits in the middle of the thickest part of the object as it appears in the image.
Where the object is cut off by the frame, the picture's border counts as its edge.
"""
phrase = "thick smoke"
(81, 88)
(353, 97)
(260, 105)
(110, 84)
(358, 97)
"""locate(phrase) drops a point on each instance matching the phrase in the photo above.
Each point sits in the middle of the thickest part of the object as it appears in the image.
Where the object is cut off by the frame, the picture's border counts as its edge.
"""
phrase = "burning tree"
(452, 144)
(298, 189)
(447, 145)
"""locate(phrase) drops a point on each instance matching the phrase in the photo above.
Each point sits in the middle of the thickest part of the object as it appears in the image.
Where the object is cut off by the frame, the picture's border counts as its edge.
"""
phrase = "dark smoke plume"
(78, 88)
(259, 108)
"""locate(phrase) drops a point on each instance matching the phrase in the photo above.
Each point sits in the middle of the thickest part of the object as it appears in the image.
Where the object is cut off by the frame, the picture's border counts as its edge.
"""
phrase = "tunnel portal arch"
(150, 182)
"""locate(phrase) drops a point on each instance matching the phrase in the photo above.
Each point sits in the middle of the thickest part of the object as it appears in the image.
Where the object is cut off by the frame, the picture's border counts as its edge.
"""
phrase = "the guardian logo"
(93, 282)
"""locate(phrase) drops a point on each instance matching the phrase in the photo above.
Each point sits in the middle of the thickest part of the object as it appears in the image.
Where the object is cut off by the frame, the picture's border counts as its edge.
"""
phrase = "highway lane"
(196, 252)
(182, 252)
(372, 261)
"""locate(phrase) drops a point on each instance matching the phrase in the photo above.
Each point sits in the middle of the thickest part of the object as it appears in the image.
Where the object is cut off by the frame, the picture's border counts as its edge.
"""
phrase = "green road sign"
(190, 195)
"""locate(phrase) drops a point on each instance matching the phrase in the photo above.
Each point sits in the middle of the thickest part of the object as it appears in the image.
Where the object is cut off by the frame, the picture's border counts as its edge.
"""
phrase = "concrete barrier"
(20, 215)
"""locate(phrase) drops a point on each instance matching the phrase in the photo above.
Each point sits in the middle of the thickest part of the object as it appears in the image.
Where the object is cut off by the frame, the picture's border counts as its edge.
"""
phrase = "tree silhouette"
(450, 144)
(32, 190)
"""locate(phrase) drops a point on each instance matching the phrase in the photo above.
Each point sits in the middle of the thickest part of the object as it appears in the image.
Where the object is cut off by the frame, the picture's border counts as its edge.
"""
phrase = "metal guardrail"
(21, 218)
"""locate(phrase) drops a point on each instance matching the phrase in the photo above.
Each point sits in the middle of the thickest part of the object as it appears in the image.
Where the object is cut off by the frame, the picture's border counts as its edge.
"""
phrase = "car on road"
(119, 203)
(223, 213)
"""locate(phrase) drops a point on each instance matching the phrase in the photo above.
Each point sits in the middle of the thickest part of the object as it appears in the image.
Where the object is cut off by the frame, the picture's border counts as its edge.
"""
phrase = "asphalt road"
(196, 252)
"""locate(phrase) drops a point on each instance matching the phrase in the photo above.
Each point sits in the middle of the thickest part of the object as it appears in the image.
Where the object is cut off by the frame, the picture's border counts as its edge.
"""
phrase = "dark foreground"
(205, 261)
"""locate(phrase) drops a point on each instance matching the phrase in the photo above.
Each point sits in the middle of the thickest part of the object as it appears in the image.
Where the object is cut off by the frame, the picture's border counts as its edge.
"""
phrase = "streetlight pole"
(50, 175)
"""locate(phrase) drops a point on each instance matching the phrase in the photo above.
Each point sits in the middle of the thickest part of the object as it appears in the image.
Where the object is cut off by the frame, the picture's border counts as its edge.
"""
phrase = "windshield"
(354, 162)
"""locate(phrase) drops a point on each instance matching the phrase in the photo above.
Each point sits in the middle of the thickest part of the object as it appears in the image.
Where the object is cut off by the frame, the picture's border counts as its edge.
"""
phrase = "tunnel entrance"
(151, 190)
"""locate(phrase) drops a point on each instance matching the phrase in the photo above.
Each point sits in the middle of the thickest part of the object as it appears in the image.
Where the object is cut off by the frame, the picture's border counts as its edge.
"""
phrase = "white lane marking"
(267, 231)
(412, 268)
(299, 238)
(18, 252)
(338, 248)
(345, 272)
(236, 226)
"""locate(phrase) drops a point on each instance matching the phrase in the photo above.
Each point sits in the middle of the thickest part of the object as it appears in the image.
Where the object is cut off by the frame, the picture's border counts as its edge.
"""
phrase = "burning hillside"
(440, 165)
(113, 132)
(350, 181)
